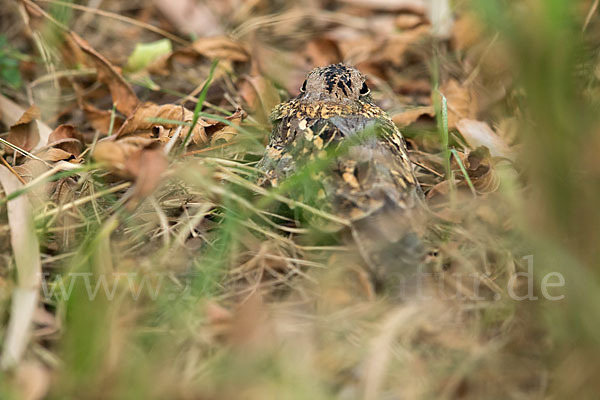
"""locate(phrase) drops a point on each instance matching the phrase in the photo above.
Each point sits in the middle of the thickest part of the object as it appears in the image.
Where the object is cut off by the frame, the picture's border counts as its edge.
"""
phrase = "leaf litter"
(118, 193)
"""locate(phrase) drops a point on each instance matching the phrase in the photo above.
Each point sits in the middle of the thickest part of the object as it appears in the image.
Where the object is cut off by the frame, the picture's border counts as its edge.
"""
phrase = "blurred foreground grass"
(212, 296)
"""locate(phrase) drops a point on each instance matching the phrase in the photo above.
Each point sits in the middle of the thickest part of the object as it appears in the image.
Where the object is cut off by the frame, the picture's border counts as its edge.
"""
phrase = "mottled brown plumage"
(357, 157)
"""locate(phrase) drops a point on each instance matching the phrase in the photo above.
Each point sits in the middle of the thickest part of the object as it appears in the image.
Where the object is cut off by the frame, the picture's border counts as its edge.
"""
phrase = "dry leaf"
(479, 167)
(407, 117)
(24, 133)
(72, 54)
(390, 48)
(414, 6)
(122, 94)
(467, 31)
(478, 133)
(100, 119)
(323, 51)
(408, 21)
(225, 132)
(190, 16)
(67, 138)
(147, 167)
(97, 118)
(54, 154)
(140, 123)
(114, 154)
(220, 47)
(134, 158)
(462, 103)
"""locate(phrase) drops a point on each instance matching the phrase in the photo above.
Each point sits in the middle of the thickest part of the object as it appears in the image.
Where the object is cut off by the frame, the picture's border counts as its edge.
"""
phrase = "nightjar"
(352, 162)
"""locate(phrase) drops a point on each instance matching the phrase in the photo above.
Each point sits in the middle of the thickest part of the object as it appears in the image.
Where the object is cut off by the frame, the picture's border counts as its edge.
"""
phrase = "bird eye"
(303, 88)
(364, 90)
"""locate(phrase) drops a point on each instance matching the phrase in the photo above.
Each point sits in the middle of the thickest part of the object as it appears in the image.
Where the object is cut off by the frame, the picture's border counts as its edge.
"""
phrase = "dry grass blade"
(25, 248)
(380, 349)
(81, 201)
(119, 18)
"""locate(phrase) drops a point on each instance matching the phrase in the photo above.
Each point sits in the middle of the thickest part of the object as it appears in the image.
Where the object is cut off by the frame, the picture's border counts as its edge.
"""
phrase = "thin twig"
(81, 201)
(13, 171)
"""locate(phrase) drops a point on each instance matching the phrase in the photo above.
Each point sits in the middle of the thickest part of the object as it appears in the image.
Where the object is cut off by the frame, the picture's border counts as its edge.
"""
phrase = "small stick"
(13, 171)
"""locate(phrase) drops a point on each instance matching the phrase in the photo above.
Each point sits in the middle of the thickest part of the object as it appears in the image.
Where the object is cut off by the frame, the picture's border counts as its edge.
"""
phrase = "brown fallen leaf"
(409, 21)
(479, 166)
(322, 51)
(133, 158)
(31, 169)
(467, 31)
(462, 102)
(97, 118)
(100, 119)
(147, 167)
(221, 132)
(24, 133)
(114, 153)
(72, 54)
(67, 138)
(122, 94)
(388, 48)
(190, 16)
(140, 123)
(396, 46)
(478, 133)
(220, 47)
(54, 154)
(408, 117)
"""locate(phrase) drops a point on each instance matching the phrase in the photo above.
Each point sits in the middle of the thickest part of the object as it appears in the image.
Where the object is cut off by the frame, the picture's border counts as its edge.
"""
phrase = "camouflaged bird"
(364, 176)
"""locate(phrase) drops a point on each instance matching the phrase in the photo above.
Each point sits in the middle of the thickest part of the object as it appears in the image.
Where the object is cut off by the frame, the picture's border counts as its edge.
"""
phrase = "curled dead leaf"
(122, 94)
(141, 123)
(479, 165)
(67, 138)
(24, 133)
(221, 132)
(54, 154)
